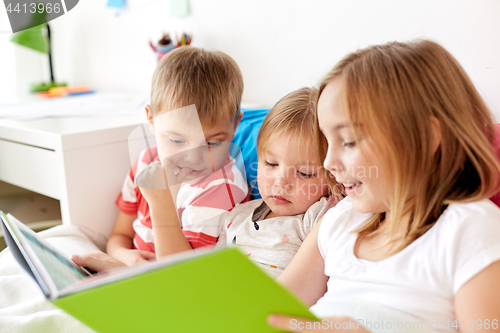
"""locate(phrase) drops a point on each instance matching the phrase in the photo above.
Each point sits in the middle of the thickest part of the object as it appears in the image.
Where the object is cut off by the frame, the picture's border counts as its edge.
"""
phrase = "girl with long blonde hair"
(411, 140)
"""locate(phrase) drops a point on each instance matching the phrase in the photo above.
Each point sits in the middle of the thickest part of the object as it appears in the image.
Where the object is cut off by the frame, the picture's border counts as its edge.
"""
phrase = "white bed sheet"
(23, 307)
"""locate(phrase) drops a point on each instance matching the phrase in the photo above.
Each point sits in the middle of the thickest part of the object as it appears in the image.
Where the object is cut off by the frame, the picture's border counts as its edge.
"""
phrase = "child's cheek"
(326, 188)
(262, 182)
(163, 153)
(165, 150)
(218, 158)
(309, 191)
(301, 190)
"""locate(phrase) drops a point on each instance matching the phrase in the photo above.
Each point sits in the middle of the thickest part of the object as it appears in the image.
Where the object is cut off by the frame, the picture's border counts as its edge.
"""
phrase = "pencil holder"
(166, 44)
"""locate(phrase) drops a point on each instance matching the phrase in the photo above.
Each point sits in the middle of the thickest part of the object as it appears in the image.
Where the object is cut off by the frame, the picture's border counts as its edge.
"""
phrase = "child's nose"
(195, 155)
(282, 179)
(332, 163)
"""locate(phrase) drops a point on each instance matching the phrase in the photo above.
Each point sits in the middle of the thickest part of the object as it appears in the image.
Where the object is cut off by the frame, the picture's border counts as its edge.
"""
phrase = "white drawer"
(29, 167)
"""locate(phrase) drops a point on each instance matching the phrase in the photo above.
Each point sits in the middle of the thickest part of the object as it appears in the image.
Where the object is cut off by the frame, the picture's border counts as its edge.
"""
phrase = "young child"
(204, 88)
(411, 140)
(290, 180)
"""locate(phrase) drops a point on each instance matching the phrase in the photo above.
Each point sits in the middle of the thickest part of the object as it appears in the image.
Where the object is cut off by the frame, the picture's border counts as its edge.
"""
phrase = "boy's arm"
(168, 235)
(167, 231)
(122, 234)
(120, 243)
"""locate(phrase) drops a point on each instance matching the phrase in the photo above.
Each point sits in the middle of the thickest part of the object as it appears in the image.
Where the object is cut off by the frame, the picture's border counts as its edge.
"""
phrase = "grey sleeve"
(224, 218)
(314, 213)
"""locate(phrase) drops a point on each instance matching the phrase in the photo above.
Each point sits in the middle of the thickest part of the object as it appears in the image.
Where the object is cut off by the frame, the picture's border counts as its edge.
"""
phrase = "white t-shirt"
(423, 278)
(272, 243)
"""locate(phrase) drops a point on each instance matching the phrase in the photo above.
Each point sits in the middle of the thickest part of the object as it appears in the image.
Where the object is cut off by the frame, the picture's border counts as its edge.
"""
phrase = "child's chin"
(283, 211)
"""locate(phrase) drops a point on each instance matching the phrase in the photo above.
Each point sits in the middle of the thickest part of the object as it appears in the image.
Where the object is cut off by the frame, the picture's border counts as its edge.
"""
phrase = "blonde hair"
(295, 116)
(211, 80)
(394, 90)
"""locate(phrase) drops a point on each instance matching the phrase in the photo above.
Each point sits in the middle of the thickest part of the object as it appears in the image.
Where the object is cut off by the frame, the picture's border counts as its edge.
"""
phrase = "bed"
(23, 307)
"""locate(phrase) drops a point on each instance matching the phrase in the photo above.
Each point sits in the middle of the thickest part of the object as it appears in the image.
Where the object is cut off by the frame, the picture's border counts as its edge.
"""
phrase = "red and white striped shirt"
(199, 204)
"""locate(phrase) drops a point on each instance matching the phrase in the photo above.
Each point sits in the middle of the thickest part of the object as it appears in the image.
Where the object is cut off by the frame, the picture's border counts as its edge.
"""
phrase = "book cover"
(201, 291)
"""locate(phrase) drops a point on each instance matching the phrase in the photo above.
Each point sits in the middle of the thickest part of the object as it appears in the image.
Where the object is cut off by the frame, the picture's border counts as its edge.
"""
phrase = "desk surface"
(69, 133)
(56, 157)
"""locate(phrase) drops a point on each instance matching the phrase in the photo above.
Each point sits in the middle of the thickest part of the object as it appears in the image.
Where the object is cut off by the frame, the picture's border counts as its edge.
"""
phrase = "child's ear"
(149, 116)
(436, 133)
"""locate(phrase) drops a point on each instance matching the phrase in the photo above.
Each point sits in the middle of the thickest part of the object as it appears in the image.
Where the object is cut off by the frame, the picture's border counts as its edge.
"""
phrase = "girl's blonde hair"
(295, 116)
(394, 90)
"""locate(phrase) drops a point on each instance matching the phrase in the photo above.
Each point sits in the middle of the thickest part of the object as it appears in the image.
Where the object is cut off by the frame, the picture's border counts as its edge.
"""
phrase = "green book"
(217, 290)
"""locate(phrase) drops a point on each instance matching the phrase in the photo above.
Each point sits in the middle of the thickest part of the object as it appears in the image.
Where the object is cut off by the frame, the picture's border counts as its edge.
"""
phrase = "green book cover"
(201, 291)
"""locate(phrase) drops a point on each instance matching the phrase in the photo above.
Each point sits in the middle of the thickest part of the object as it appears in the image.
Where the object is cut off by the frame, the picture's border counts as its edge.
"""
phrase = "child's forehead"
(189, 124)
(293, 148)
(332, 104)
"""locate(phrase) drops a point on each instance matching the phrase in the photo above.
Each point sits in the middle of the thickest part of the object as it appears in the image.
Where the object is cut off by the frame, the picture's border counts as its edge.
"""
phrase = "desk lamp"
(34, 39)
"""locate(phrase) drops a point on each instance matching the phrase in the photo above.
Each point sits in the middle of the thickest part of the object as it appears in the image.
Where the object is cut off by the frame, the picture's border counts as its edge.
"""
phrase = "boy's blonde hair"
(394, 90)
(295, 116)
(211, 80)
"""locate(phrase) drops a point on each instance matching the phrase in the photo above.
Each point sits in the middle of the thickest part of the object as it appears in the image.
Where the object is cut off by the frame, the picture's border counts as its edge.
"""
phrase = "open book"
(198, 291)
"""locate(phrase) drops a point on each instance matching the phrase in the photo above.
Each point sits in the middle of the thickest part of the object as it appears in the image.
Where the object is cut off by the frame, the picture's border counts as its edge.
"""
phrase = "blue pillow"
(246, 138)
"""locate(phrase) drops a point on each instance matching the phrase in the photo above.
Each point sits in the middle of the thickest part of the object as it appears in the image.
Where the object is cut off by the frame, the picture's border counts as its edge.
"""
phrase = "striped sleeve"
(127, 199)
(201, 217)
(201, 220)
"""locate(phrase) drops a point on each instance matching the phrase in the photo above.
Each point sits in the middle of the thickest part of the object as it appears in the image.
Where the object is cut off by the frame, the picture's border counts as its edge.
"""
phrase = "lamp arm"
(50, 55)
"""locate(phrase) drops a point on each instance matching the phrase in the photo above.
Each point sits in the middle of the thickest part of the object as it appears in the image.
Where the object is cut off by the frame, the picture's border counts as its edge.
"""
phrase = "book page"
(19, 253)
(62, 271)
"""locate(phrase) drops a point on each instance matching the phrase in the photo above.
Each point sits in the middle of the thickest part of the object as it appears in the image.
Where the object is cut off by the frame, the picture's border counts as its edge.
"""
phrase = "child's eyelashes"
(306, 175)
(177, 141)
(349, 144)
(181, 141)
(271, 164)
(301, 174)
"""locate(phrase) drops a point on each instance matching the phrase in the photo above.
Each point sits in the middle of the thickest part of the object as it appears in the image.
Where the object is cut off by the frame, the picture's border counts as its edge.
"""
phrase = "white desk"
(80, 161)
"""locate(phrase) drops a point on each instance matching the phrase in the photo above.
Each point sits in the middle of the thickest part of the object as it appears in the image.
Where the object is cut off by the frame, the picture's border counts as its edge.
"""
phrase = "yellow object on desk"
(66, 91)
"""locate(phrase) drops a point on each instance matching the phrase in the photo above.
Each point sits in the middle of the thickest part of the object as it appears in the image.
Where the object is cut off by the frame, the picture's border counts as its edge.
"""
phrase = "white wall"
(280, 45)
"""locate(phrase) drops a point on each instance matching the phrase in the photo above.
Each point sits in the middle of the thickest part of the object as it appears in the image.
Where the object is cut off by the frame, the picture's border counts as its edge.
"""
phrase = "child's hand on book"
(132, 256)
(97, 261)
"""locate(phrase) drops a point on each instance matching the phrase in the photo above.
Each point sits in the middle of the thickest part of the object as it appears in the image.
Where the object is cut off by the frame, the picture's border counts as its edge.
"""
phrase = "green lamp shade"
(32, 38)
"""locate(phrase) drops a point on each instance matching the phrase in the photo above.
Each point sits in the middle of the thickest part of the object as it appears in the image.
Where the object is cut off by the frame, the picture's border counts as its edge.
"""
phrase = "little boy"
(195, 107)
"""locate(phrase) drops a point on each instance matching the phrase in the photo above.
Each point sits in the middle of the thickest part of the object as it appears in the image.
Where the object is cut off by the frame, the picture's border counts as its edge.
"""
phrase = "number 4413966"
(35, 7)
(473, 324)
